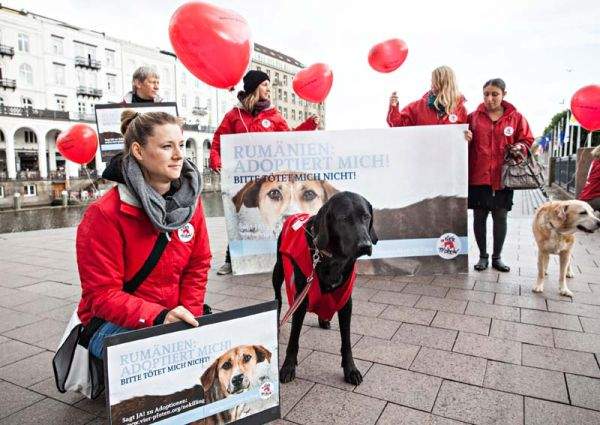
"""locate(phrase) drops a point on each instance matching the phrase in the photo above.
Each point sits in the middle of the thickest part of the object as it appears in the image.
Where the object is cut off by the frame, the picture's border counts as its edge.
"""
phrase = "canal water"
(55, 217)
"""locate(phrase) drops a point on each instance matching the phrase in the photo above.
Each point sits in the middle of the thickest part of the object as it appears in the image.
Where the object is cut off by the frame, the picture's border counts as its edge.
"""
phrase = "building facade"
(52, 74)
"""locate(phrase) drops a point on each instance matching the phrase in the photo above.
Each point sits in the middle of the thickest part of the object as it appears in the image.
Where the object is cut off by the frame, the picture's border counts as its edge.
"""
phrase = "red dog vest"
(294, 246)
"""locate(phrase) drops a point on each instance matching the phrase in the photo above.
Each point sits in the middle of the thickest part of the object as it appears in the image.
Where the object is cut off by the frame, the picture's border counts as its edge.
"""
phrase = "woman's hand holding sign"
(180, 313)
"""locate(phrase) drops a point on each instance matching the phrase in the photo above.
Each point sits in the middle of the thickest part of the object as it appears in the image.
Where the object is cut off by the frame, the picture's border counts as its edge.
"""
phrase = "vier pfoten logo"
(266, 390)
(185, 232)
(448, 246)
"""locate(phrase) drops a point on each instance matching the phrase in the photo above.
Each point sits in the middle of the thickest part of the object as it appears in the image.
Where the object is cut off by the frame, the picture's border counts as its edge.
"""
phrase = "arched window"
(26, 73)
(27, 102)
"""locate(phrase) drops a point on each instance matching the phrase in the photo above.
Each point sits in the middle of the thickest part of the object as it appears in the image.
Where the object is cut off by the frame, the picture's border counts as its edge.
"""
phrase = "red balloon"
(78, 144)
(585, 105)
(388, 55)
(313, 83)
(212, 43)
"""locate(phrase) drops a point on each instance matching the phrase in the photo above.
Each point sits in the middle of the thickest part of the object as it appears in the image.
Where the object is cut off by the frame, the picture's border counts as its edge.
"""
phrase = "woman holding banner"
(142, 249)
(496, 128)
(253, 114)
(442, 104)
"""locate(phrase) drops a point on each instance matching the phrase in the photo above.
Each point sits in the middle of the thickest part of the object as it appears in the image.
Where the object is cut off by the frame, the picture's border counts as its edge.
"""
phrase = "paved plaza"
(448, 349)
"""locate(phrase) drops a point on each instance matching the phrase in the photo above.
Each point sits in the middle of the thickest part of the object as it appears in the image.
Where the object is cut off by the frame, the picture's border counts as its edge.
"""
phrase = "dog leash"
(316, 258)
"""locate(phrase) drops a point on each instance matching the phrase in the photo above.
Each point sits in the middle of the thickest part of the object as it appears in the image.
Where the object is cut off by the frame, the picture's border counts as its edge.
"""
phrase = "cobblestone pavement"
(478, 348)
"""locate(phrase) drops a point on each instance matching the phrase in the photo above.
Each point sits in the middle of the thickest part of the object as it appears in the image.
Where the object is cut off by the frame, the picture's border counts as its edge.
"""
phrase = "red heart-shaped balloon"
(313, 83)
(213, 43)
(78, 144)
(388, 55)
(585, 105)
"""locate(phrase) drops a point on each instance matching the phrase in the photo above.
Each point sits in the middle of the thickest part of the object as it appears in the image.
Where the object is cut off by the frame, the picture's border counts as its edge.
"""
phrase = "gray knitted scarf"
(165, 214)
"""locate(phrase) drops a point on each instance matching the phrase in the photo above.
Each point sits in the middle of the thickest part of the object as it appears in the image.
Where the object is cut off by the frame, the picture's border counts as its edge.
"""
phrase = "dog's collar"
(321, 252)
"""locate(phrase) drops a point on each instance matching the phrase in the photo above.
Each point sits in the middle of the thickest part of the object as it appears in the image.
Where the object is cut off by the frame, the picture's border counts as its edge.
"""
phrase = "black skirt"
(484, 197)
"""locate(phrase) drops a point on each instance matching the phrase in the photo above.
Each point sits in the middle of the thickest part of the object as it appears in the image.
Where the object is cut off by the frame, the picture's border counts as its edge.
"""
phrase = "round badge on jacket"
(266, 123)
(508, 131)
(185, 232)
(452, 118)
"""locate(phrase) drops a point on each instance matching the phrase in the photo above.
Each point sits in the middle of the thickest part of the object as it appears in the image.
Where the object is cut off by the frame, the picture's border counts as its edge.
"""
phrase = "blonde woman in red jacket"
(253, 114)
(495, 128)
(442, 104)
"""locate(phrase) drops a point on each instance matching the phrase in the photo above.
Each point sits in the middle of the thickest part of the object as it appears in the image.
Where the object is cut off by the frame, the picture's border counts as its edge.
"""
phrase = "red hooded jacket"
(419, 113)
(114, 239)
(591, 189)
(238, 120)
(488, 146)
(294, 248)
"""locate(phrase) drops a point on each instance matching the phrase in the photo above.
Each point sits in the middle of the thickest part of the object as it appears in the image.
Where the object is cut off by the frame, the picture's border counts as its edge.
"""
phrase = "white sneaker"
(224, 269)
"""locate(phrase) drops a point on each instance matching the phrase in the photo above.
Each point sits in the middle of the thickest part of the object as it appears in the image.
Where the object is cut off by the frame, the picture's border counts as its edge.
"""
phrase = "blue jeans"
(96, 346)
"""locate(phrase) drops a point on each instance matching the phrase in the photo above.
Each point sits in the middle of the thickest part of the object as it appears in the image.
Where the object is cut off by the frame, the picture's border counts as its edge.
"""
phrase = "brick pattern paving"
(478, 348)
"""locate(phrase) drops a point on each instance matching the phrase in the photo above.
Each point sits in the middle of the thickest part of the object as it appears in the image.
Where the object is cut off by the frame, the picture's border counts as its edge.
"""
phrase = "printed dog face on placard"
(282, 194)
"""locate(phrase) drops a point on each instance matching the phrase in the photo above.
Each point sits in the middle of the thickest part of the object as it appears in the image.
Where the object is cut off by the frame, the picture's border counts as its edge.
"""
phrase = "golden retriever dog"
(554, 225)
(233, 372)
(282, 194)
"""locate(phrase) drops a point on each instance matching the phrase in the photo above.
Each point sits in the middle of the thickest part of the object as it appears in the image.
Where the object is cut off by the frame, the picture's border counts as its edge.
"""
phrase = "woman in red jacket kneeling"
(158, 192)
(495, 128)
(254, 114)
(591, 190)
(442, 104)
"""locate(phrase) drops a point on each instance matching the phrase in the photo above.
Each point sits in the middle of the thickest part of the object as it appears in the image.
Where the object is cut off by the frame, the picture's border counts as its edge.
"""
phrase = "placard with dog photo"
(224, 371)
(415, 179)
(108, 122)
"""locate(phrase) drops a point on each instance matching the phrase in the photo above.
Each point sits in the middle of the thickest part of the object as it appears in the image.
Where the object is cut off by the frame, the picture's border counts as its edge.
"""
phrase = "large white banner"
(415, 178)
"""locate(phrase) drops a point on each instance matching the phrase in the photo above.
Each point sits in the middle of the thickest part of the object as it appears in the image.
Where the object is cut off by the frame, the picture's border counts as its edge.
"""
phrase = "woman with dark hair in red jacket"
(157, 195)
(442, 104)
(253, 114)
(496, 128)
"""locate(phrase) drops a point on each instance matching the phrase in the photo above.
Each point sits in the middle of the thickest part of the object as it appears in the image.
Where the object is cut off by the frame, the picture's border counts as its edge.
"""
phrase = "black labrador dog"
(341, 231)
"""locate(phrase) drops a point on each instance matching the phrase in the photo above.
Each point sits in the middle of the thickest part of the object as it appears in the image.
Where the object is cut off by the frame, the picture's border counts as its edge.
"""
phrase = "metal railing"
(199, 128)
(199, 111)
(6, 50)
(8, 84)
(28, 112)
(565, 172)
(57, 175)
(87, 62)
(88, 91)
(93, 173)
(28, 175)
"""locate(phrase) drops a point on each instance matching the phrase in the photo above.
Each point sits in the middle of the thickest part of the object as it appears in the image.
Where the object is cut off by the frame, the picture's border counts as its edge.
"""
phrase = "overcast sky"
(543, 49)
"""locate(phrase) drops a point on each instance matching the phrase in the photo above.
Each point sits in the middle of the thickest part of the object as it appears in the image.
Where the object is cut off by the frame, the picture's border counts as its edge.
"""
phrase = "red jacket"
(591, 189)
(114, 239)
(419, 113)
(238, 120)
(487, 149)
(294, 247)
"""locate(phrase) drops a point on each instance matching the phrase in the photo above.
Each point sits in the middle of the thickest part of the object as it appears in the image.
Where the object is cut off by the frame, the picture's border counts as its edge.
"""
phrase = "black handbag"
(75, 368)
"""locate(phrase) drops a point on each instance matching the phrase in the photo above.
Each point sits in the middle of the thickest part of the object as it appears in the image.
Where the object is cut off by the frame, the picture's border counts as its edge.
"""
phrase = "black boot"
(206, 309)
(482, 264)
(499, 265)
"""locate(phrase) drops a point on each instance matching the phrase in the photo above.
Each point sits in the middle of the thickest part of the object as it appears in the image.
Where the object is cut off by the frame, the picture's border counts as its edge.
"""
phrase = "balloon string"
(90, 178)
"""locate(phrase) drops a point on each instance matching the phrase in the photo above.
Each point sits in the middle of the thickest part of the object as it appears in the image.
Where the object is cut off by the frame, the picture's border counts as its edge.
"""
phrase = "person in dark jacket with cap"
(253, 114)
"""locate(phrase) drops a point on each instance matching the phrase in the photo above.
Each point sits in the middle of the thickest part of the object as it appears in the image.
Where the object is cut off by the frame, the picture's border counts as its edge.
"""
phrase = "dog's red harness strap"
(295, 250)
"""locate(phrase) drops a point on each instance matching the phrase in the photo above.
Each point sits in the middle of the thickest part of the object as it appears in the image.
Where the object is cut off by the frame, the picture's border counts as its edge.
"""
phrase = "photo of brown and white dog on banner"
(281, 194)
(316, 257)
